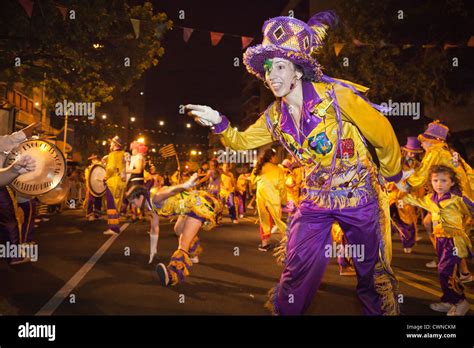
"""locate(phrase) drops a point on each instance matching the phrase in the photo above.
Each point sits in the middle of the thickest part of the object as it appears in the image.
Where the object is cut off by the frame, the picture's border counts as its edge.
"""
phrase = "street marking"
(58, 298)
(432, 282)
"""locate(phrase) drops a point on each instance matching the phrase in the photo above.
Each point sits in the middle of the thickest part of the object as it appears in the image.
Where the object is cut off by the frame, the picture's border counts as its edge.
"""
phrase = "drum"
(56, 195)
(50, 168)
(96, 180)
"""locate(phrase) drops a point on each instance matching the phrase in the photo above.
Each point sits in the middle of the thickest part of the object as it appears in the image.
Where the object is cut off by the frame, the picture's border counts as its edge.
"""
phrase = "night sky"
(197, 72)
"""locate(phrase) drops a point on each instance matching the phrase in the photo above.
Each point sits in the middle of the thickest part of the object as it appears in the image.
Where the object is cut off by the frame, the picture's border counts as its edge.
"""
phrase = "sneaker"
(407, 250)
(110, 232)
(459, 309)
(465, 277)
(347, 271)
(443, 307)
(432, 264)
(267, 247)
(235, 221)
(91, 218)
(194, 259)
(162, 273)
(241, 216)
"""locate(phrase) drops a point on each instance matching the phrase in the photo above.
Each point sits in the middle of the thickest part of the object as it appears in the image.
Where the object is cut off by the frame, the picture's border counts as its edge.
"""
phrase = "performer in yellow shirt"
(325, 124)
(194, 209)
(449, 211)
(227, 192)
(271, 195)
(115, 179)
(241, 192)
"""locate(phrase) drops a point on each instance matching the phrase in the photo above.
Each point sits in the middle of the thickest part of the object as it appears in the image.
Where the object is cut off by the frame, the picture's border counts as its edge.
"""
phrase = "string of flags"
(338, 46)
(215, 36)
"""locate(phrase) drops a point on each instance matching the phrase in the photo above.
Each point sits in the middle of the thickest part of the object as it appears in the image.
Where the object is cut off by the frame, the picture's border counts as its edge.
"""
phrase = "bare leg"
(191, 228)
(179, 225)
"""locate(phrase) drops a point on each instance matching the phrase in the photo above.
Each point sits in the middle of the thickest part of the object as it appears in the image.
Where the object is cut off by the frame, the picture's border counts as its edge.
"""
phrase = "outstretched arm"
(166, 192)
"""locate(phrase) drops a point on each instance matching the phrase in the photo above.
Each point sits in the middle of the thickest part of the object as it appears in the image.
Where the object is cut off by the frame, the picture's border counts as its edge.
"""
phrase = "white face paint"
(280, 75)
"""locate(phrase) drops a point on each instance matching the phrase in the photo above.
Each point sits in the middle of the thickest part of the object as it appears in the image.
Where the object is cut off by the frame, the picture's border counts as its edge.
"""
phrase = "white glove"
(191, 182)
(402, 186)
(153, 246)
(407, 173)
(204, 115)
(24, 164)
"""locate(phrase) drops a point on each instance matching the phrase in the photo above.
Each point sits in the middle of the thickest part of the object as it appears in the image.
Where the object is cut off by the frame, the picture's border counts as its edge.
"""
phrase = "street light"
(188, 125)
(153, 150)
(132, 119)
(104, 116)
(141, 93)
(161, 123)
(193, 152)
(200, 153)
(141, 140)
(104, 143)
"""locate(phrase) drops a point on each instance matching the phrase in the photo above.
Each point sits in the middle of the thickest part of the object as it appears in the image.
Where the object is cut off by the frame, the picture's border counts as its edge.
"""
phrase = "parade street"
(80, 271)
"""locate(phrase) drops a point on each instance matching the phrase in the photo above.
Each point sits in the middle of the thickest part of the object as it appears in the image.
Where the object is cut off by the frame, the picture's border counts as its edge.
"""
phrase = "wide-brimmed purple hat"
(435, 131)
(412, 145)
(291, 39)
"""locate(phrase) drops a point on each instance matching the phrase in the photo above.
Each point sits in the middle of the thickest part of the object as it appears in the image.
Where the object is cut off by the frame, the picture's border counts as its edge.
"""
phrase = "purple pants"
(241, 201)
(448, 264)
(230, 202)
(344, 261)
(9, 231)
(28, 226)
(309, 238)
(94, 205)
(112, 213)
(407, 231)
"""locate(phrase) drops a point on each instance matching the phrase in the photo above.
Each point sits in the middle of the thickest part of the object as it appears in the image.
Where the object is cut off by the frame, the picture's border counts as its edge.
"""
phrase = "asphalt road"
(80, 271)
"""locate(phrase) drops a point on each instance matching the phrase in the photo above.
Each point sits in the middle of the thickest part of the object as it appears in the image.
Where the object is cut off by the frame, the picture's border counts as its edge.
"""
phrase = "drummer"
(92, 202)
(9, 224)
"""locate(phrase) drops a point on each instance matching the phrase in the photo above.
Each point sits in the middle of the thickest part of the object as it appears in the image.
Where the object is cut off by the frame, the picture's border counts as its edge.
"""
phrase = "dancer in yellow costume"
(227, 192)
(433, 141)
(194, 209)
(271, 195)
(115, 179)
(325, 124)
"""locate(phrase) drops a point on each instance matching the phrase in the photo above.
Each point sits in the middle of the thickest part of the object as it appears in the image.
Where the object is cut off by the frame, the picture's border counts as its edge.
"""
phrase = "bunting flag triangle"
(216, 38)
(62, 10)
(338, 47)
(246, 40)
(470, 43)
(136, 27)
(27, 6)
(187, 33)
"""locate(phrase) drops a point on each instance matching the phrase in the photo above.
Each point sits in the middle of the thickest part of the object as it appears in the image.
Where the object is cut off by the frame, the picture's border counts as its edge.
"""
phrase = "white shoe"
(152, 256)
(465, 278)
(407, 250)
(194, 259)
(91, 218)
(459, 309)
(110, 232)
(235, 221)
(432, 264)
(443, 307)
(241, 216)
